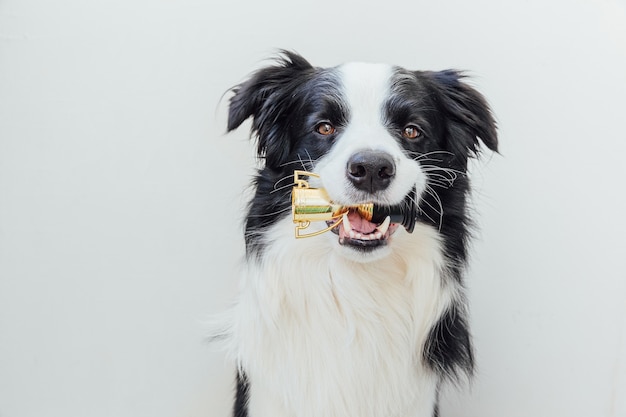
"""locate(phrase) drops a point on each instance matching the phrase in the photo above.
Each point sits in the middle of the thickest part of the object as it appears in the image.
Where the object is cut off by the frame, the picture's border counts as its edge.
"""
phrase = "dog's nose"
(371, 170)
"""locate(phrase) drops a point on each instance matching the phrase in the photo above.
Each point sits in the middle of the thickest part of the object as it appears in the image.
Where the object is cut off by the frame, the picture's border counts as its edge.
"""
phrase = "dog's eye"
(412, 132)
(325, 129)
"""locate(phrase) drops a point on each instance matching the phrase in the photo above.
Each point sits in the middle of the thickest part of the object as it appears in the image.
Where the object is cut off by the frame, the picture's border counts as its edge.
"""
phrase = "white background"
(121, 197)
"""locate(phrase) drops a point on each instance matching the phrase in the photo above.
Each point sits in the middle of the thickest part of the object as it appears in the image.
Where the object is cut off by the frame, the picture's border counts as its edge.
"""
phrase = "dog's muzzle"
(365, 225)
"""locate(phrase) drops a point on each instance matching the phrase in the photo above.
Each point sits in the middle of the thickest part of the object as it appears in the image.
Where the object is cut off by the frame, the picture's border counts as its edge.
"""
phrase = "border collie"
(369, 321)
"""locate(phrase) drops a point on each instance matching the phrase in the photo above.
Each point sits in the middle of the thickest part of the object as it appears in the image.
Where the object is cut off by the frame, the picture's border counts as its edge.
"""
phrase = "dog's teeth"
(358, 235)
(352, 234)
(385, 226)
(379, 235)
(346, 223)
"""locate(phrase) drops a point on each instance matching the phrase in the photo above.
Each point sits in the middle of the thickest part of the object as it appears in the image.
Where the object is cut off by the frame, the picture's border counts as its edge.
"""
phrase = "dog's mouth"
(358, 232)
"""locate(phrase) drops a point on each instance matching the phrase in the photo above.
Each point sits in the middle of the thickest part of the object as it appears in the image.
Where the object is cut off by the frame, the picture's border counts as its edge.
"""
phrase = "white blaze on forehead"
(366, 88)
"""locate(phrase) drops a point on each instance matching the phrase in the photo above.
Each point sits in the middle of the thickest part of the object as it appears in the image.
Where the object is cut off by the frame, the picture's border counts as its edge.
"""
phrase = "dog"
(371, 320)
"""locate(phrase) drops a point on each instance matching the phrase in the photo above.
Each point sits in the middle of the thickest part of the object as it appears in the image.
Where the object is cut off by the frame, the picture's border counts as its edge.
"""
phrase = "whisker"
(442, 177)
(427, 216)
(434, 194)
(440, 180)
(418, 156)
(438, 152)
(292, 162)
(271, 214)
(281, 188)
(286, 177)
(301, 162)
(310, 159)
(451, 171)
(439, 210)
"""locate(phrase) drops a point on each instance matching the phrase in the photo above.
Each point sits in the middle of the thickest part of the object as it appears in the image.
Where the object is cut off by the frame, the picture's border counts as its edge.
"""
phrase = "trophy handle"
(300, 226)
(302, 183)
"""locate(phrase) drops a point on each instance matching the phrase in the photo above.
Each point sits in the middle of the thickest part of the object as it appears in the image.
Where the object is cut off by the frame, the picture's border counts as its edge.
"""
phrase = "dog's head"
(374, 133)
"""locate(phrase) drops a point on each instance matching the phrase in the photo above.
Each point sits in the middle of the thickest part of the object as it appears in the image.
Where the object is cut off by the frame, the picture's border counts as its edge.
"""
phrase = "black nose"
(371, 170)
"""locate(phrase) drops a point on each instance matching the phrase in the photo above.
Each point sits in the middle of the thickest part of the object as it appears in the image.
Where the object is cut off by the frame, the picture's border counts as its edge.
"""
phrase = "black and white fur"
(333, 326)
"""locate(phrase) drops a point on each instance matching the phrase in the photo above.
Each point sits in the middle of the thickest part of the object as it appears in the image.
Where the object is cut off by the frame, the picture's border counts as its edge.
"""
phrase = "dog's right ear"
(268, 97)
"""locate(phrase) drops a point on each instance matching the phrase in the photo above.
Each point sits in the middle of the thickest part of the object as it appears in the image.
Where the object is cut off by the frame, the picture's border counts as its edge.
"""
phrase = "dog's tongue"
(359, 224)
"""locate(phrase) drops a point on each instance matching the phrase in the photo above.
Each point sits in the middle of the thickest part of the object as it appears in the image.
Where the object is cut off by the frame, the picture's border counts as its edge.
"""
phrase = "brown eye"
(412, 132)
(325, 129)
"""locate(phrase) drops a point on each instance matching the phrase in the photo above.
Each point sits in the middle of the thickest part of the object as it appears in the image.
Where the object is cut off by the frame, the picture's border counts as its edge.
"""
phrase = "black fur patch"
(241, 396)
(448, 350)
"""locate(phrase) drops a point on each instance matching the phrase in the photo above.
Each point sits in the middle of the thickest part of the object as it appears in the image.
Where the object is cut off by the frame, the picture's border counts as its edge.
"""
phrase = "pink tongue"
(359, 224)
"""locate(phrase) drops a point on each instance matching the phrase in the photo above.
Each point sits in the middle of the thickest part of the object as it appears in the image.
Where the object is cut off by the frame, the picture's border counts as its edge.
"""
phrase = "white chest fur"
(319, 335)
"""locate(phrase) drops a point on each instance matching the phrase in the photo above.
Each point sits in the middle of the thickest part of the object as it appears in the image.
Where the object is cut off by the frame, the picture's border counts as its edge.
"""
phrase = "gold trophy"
(313, 204)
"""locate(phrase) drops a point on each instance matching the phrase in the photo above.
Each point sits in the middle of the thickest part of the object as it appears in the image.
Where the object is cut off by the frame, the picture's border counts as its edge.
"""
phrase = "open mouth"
(358, 232)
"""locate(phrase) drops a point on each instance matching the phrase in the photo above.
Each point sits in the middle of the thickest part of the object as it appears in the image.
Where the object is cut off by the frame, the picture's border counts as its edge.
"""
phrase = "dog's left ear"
(469, 117)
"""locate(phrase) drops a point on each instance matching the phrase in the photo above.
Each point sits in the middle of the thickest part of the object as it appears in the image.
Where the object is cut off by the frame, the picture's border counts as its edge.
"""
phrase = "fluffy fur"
(336, 326)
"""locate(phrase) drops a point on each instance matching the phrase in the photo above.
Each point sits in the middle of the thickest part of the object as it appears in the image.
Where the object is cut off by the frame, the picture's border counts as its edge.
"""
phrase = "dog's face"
(373, 133)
